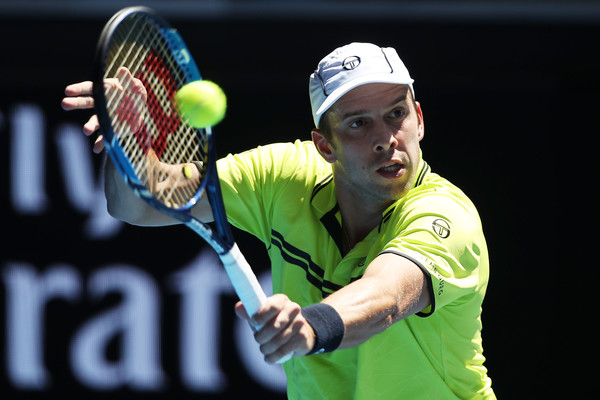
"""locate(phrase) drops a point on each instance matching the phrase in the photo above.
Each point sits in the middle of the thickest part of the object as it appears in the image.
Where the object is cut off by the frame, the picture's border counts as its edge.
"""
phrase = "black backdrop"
(509, 110)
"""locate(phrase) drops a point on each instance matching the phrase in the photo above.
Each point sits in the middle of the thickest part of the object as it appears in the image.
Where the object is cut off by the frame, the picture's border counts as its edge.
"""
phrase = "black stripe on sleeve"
(427, 274)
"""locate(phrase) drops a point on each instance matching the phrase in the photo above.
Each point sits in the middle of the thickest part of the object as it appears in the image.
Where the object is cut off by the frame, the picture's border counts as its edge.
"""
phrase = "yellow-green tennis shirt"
(284, 195)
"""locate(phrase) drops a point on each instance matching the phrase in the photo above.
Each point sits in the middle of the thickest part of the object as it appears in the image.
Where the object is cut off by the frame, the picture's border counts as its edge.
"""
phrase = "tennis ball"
(201, 103)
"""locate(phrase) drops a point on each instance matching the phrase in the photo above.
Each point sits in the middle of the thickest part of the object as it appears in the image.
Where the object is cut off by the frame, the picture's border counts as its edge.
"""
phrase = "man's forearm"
(123, 204)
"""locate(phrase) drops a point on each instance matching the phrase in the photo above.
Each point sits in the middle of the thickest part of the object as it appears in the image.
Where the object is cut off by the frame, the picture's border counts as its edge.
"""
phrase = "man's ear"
(421, 122)
(323, 146)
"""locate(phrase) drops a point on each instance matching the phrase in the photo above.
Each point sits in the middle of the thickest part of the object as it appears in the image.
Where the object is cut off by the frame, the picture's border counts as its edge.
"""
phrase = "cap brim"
(373, 78)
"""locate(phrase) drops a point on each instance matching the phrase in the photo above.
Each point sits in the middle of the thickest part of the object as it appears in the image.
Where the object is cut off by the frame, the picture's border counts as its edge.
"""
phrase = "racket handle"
(285, 358)
(243, 280)
(246, 285)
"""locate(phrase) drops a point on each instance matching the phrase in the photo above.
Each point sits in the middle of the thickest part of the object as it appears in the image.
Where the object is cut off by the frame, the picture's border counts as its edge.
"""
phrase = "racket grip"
(285, 358)
(243, 280)
(246, 285)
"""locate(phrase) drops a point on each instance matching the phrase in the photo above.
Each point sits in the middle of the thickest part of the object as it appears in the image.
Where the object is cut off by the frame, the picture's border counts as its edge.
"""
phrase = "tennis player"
(379, 265)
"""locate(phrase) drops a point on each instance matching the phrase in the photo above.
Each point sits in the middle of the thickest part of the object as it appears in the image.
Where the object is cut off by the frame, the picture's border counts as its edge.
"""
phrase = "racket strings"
(142, 76)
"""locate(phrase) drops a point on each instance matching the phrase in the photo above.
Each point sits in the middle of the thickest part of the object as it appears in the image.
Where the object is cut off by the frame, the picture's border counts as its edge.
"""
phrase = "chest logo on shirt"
(441, 227)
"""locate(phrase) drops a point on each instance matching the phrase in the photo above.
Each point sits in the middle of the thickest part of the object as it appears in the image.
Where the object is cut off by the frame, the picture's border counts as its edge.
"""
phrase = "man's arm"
(123, 204)
(391, 289)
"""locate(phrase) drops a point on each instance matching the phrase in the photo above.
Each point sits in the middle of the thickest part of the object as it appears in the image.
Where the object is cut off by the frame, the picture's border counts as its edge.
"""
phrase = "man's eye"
(398, 113)
(358, 123)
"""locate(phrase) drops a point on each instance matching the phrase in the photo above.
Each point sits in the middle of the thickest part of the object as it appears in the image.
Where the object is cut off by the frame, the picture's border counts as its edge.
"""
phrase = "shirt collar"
(323, 196)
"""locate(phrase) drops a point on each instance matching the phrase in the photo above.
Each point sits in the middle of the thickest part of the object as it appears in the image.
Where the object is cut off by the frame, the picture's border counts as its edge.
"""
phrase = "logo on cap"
(351, 62)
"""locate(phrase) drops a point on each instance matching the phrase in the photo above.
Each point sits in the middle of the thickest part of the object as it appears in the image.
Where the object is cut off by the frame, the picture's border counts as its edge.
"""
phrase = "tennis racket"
(140, 64)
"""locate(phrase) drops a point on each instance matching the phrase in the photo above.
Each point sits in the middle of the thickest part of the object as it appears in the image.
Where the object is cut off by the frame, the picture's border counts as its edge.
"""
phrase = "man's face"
(375, 130)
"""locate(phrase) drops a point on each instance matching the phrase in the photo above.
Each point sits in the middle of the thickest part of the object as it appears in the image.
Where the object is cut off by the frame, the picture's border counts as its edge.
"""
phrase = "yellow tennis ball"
(201, 103)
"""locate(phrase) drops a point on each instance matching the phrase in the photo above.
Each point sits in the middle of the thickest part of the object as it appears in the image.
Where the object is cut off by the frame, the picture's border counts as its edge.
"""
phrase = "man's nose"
(385, 137)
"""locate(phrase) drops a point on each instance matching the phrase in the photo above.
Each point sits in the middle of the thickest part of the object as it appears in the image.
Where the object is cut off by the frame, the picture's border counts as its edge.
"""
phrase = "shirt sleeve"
(243, 178)
(440, 231)
(254, 182)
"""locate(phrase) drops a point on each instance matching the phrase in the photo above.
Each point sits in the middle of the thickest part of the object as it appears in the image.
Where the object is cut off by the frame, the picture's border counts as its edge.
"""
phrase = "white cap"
(350, 66)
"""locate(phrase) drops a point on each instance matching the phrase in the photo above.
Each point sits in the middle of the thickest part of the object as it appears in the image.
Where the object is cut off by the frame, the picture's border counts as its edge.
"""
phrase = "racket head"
(141, 62)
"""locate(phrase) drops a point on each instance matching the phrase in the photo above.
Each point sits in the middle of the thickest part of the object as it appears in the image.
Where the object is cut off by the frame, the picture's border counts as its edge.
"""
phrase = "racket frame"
(221, 239)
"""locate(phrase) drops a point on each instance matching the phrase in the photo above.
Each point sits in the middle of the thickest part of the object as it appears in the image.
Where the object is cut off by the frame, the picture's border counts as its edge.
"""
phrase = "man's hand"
(166, 178)
(283, 329)
(79, 96)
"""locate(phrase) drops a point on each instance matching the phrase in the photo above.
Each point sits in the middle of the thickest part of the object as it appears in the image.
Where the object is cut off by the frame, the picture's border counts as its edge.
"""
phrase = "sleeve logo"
(441, 227)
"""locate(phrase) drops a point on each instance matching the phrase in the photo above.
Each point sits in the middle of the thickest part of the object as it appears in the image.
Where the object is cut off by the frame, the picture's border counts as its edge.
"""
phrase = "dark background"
(509, 98)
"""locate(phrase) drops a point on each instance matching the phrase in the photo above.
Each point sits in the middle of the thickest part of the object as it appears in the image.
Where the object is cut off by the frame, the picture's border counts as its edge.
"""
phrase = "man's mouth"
(391, 170)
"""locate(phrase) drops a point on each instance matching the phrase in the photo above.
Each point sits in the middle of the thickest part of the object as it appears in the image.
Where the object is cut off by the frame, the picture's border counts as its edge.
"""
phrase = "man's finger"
(79, 89)
(77, 103)
(91, 126)
(98, 145)
(241, 311)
